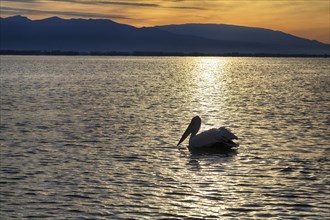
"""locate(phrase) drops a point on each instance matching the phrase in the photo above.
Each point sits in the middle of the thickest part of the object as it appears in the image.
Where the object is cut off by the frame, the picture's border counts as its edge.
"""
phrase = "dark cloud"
(22, 1)
(124, 4)
(189, 8)
(66, 13)
(127, 3)
(105, 2)
(108, 3)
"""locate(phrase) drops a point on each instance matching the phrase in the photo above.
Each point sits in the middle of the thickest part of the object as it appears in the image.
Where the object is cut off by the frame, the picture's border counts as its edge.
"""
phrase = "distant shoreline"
(149, 53)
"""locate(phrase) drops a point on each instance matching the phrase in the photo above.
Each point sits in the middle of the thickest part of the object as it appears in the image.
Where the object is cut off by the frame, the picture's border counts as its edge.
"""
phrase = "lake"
(95, 137)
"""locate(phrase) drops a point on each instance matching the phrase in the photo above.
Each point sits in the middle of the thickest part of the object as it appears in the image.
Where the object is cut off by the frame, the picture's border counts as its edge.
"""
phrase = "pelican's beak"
(186, 134)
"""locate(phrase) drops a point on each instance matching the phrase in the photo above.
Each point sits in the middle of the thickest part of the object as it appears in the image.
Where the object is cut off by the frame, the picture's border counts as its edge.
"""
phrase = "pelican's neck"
(192, 129)
(194, 133)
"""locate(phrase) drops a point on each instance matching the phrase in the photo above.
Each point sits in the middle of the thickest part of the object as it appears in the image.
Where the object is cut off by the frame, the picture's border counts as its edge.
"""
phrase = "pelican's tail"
(226, 136)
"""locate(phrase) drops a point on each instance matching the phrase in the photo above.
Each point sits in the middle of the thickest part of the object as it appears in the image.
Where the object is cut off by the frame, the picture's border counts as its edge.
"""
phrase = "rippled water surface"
(95, 138)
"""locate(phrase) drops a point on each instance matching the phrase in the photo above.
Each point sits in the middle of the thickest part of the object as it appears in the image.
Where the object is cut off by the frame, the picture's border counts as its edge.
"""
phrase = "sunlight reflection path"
(211, 87)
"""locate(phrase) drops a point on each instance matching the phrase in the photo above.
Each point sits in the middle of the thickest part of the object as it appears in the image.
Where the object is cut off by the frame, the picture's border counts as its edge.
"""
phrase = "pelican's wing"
(224, 134)
(212, 137)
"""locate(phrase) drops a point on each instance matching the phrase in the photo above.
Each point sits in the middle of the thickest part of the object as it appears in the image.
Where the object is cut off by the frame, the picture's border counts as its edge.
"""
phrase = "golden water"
(94, 137)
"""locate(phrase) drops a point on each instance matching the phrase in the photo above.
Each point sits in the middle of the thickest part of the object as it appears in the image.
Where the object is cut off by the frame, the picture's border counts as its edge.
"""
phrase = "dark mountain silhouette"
(226, 32)
(21, 33)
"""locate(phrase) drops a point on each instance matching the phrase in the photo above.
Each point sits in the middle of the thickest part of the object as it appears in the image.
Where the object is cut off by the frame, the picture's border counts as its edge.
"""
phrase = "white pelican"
(217, 139)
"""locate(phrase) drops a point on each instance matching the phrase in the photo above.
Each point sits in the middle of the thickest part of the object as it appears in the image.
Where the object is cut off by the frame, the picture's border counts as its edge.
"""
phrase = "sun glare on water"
(210, 84)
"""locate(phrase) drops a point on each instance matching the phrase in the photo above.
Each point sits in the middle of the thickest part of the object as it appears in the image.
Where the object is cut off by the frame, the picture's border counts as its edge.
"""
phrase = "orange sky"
(304, 18)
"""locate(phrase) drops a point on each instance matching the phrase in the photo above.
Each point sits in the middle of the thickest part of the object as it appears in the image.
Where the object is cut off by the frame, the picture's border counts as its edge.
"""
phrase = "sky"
(305, 18)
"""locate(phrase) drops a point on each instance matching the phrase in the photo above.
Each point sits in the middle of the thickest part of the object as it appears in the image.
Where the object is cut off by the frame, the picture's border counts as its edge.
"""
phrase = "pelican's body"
(213, 139)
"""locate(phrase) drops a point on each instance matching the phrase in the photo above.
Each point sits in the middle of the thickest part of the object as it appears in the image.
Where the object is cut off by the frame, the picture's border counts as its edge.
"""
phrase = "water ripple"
(94, 138)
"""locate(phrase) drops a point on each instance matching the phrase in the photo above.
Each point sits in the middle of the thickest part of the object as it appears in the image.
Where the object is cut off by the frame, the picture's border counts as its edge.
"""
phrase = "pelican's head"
(192, 129)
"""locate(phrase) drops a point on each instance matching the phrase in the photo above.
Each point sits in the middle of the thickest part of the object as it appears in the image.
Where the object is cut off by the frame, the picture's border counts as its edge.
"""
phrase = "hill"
(21, 33)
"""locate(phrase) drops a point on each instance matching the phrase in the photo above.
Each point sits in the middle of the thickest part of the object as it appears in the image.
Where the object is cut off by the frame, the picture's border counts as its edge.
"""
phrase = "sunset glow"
(304, 18)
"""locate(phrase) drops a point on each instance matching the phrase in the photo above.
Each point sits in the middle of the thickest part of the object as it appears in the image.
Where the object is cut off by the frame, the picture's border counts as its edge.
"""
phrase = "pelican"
(217, 139)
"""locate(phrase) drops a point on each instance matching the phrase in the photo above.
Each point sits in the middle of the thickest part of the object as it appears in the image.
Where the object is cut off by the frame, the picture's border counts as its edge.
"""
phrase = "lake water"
(95, 138)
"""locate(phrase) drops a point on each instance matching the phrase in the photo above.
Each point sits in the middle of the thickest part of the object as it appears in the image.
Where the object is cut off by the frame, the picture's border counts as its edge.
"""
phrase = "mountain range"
(85, 35)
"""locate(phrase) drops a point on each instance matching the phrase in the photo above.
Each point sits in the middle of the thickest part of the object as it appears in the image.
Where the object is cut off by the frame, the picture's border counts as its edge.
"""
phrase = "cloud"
(105, 2)
(23, 1)
(109, 3)
(127, 3)
(140, 4)
(189, 8)
(65, 13)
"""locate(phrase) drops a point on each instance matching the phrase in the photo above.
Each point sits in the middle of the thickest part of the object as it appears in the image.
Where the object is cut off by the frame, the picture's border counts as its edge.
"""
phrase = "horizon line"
(152, 53)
